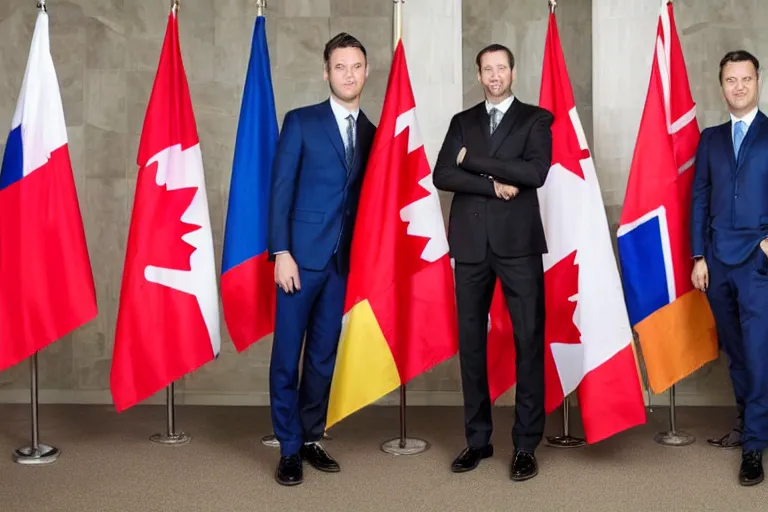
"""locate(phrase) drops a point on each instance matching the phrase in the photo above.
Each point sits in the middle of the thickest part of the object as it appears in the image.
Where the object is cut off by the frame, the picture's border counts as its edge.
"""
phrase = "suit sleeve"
(449, 177)
(702, 186)
(529, 171)
(285, 168)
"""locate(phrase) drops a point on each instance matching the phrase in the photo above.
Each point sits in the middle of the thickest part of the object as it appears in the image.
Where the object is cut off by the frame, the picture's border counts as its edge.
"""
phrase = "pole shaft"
(566, 418)
(170, 404)
(672, 425)
(34, 403)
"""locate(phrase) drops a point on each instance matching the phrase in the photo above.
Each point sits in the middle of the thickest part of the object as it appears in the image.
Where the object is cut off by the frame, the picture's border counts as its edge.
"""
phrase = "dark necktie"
(350, 149)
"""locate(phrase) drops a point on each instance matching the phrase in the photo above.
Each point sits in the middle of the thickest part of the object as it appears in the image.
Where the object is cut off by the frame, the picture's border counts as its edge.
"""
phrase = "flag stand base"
(37, 453)
(673, 437)
(170, 437)
(271, 441)
(407, 446)
(565, 440)
(29, 456)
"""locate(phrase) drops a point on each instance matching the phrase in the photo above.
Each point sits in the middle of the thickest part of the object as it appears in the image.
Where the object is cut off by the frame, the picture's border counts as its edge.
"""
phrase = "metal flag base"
(565, 440)
(170, 437)
(673, 437)
(176, 438)
(272, 442)
(407, 446)
(30, 456)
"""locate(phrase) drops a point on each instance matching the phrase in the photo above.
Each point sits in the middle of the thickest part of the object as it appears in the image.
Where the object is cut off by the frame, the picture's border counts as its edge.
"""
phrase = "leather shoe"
(523, 466)
(319, 458)
(751, 472)
(470, 458)
(289, 471)
(730, 440)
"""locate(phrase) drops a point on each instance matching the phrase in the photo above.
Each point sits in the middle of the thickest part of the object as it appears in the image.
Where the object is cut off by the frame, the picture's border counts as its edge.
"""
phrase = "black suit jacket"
(519, 153)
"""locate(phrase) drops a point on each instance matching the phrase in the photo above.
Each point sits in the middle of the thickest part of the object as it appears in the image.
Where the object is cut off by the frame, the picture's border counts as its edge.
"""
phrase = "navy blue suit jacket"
(729, 215)
(314, 195)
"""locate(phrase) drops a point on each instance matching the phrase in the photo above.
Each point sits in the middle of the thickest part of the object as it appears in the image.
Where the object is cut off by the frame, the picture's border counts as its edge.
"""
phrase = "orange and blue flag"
(673, 321)
(247, 276)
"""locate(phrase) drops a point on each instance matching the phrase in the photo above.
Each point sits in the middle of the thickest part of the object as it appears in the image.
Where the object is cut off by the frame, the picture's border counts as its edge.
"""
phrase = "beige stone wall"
(106, 53)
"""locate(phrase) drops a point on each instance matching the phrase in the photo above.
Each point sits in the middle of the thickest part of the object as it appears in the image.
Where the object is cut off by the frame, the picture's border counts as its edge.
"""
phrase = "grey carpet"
(108, 464)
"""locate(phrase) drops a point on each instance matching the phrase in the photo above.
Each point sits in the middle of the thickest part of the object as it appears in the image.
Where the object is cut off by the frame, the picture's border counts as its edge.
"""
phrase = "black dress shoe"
(730, 440)
(751, 472)
(469, 458)
(523, 466)
(289, 471)
(319, 458)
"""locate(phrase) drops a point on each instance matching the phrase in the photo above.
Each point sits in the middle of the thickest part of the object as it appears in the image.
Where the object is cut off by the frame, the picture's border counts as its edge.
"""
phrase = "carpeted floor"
(108, 464)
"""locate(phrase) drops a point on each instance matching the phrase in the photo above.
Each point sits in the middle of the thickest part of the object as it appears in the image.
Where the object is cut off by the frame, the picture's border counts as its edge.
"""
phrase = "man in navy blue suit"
(316, 179)
(729, 240)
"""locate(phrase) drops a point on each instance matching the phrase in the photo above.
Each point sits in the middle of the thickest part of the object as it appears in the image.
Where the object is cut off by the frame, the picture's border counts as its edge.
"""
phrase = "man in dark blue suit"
(729, 237)
(316, 179)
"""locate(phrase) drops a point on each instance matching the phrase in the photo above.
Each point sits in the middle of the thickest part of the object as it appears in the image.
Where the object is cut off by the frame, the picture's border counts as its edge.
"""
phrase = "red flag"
(46, 284)
(673, 321)
(400, 316)
(168, 320)
(587, 332)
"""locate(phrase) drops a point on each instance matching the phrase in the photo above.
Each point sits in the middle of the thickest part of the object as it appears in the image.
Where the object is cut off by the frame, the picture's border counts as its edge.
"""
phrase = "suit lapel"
(332, 130)
(505, 126)
(727, 141)
(364, 140)
(484, 121)
(749, 138)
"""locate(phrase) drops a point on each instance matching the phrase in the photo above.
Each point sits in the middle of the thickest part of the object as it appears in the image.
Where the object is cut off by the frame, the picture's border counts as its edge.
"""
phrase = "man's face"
(495, 75)
(740, 86)
(346, 73)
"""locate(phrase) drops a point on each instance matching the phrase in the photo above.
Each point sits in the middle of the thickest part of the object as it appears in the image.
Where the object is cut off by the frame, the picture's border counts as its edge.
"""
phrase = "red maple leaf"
(561, 282)
(157, 213)
(567, 152)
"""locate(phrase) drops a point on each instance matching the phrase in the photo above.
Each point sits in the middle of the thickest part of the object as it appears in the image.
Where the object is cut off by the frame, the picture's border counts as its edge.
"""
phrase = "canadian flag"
(587, 330)
(168, 319)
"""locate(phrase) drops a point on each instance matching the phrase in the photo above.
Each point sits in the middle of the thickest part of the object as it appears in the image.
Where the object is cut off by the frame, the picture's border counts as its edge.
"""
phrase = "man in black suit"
(494, 158)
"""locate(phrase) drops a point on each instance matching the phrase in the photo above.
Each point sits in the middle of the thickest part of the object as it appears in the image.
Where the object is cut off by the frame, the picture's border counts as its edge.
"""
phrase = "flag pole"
(673, 437)
(36, 453)
(565, 440)
(170, 437)
(402, 445)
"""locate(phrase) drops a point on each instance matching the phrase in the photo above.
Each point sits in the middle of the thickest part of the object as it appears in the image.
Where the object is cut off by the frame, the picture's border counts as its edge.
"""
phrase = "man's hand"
(287, 273)
(764, 246)
(700, 275)
(505, 192)
(461, 155)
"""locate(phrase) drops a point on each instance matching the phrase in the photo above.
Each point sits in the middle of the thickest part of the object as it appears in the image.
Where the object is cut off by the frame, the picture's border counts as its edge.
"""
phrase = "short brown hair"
(495, 48)
(342, 40)
(738, 56)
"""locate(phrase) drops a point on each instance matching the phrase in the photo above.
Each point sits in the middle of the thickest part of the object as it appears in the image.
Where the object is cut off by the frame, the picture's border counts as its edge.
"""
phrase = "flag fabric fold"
(247, 276)
(168, 317)
(673, 321)
(47, 286)
(400, 312)
(587, 332)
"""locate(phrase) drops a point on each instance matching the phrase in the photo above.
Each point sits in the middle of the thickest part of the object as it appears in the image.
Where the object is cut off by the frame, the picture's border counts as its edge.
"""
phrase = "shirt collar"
(503, 106)
(747, 118)
(341, 113)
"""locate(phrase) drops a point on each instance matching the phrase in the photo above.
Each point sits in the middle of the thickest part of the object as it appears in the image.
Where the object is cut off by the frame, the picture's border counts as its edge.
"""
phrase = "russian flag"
(247, 276)
(46, 283)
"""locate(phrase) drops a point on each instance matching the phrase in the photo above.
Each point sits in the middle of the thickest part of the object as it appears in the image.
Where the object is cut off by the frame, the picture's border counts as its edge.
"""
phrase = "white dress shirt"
(341, 114)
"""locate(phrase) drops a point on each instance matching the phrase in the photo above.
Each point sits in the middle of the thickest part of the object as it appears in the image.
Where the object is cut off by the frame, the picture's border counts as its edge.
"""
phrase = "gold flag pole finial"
(260, 6)
(398, 21)
(175, 7)
(41, 6)
(552, 6)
